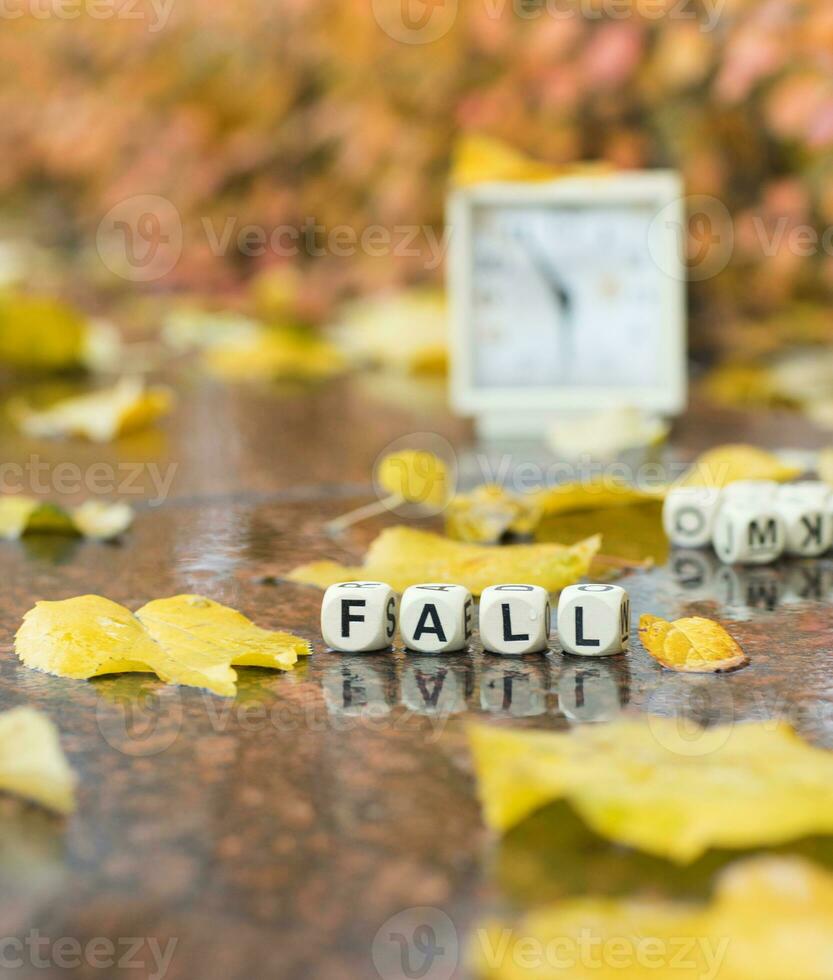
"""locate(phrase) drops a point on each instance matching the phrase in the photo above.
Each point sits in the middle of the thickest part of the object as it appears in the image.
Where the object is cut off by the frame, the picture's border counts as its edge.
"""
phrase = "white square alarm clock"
(567, 296)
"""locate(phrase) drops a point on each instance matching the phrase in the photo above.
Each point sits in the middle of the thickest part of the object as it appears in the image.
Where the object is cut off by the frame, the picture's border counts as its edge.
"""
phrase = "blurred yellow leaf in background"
(414, 476)
(769, 920)
(39, 333)
(99, 416)
(94, 519)
(404, 331)
(273, 354)
(722, 465)
(32, 762)
(488, 512)
(692, 644)
(671, 791)
(402, 557)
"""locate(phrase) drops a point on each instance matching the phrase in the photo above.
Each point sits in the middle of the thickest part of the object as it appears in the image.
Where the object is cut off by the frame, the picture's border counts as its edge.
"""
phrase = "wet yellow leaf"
(203, 639)
(185, 639)
(663, 788)
(99, 416)
(32, 763)
(402, 557)
(768, 920)
(273, 354)
(405, 331)
(488, 512)
(691, 644)
(94, 519)
(722, 465)
(415, 476)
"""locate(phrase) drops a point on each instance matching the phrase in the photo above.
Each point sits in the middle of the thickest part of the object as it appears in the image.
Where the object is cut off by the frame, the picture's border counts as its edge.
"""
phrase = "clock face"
(565, 295)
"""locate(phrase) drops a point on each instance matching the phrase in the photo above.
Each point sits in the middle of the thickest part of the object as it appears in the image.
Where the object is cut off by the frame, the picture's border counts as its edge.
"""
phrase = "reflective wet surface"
(274, 835)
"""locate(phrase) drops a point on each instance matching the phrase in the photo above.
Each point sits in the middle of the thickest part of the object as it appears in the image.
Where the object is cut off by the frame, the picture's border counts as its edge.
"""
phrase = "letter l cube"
(594, 619)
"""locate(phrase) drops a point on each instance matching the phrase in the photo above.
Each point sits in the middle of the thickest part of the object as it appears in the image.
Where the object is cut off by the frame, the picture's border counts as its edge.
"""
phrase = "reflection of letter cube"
(748, 532)
(688, 515)
(436, 618)
(515, 619)
(594, 619)
(808, 525)
(358, 616)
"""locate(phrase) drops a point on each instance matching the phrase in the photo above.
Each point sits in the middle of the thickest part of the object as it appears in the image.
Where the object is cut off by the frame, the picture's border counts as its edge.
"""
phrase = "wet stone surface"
(276, 833)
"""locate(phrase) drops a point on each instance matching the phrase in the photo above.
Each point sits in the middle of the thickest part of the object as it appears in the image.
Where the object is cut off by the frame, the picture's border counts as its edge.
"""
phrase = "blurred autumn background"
(274, 115)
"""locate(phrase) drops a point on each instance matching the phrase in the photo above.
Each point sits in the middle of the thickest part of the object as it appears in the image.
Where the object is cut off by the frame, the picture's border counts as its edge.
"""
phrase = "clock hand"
(555, 285)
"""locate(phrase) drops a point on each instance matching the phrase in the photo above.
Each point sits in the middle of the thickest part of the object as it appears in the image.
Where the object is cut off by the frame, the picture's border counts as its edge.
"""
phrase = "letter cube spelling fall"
(594, 620)
(515, 619)
(436, 618)
(357, 617)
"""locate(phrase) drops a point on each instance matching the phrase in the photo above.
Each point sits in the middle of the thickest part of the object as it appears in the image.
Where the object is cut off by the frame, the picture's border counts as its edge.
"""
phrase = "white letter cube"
(357, 617)
(688, 515)
(436, 617)
(594, 619)
(515, 619)
(749, 532)
(808, 525)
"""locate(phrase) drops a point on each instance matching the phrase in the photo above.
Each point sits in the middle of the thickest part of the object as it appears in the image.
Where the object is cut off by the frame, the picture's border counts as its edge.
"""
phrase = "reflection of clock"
(568, 295)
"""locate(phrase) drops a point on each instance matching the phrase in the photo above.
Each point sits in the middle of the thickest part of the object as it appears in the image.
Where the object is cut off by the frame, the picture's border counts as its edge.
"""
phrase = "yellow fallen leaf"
(594, 494)
(722, 465)
(603, 435)
(770, 919)
(202, 639)
(185, 639)
(32, 763)
(488, 512)
(646, 783)
(414, 476)
(99, 416)
(39, 333)
(480, 158)
(692, 644)
(402, 557)
(94, 519)
(405, 331)
(273, 354)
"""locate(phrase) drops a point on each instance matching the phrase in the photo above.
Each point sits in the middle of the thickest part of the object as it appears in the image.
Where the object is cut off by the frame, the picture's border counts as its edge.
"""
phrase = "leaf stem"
(340, 524)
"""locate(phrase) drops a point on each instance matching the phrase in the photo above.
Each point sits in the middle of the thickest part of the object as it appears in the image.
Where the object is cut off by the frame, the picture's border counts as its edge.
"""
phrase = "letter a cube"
(436, 618)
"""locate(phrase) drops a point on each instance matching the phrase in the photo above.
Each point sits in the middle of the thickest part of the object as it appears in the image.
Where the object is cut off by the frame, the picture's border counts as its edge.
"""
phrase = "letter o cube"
(594, 619)
(749, 532)
(436, 617)
(515, 619)
(357, 617)
(688, 515)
